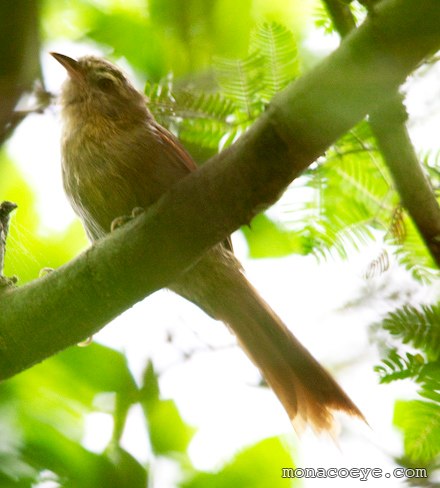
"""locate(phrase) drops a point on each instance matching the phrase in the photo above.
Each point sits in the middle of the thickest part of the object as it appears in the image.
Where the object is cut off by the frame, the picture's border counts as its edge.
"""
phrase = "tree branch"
(341, 16)
(5, 210)
(73, 302)
(414, 188)
(388, 123)
(19, 62)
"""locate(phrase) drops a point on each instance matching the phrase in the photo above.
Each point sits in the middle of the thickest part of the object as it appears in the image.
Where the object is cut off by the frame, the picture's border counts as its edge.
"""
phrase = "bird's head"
(95, 85)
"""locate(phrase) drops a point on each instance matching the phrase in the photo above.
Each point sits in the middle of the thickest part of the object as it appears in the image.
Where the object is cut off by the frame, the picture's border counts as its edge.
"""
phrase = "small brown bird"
(116, 157)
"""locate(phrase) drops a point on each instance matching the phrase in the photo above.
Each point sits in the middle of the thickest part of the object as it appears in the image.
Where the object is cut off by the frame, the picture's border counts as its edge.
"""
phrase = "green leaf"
(396, 367)
(168, 431)
(413, 254)
(419, 326)
(430, 381)
(420, 423)
(129, 471)
(346, 196)
(241, 80)
(47, 448)
(277, 47)
(131, 35)
(258, 466)
(267, 239)
(100, 367)
(150, 393)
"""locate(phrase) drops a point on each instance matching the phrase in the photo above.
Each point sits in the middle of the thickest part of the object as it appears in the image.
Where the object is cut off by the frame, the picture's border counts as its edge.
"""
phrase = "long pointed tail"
(307, 391)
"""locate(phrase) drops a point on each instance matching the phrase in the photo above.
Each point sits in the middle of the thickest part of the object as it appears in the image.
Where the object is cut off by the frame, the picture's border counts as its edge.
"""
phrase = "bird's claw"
(7, 282)
(123, 219)
(45, 271)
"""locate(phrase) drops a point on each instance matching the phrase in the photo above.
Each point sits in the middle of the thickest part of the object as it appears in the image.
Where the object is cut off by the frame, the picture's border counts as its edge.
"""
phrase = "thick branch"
(19, 60)
(388, 123)
(73, 302)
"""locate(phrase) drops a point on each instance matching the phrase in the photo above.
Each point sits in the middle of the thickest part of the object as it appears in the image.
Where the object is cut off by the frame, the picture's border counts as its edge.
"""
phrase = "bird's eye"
(105, 83)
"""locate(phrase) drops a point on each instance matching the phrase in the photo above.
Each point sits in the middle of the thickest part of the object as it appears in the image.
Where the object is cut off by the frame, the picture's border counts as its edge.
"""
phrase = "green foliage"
(417, 326)
(158, 36)
(411, 252)
(258, 466)
(45, 407)
(347, 197)
(396, 367)
(215, 120)
(277, 50)
(430, 382)
(324, 22)
(420, 422)
(322, 19)
(42, 415)
(161, 414)
(264, 232)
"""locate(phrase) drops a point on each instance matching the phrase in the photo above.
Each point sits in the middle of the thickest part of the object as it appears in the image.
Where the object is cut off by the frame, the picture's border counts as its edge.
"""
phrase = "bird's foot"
(123, 219)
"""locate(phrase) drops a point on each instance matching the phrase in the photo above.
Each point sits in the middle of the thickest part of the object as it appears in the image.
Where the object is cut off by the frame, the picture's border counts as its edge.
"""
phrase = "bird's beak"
(72, 66)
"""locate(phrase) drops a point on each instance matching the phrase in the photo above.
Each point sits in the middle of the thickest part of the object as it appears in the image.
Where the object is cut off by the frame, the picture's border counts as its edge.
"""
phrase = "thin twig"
(5, 210)
(43, 100)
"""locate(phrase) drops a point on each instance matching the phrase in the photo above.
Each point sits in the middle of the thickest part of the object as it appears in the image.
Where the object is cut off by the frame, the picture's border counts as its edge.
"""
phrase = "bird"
(116, 157)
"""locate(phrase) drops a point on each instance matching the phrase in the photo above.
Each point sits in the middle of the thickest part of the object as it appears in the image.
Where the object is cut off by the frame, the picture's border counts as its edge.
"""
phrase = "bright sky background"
(214, 390)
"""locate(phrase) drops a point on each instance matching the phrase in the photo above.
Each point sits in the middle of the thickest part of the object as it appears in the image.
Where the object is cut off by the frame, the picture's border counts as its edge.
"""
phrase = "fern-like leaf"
(430, 382)
(396, 367)
(417, 326)
(241, 80)
(378, 265)
(322, 19)
(413, 255)
(277, 48)
(350, 196)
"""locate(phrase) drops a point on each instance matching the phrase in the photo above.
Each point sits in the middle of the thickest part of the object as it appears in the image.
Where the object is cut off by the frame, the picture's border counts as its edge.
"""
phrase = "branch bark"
(19, 60)
(73, 302)
(388, 124)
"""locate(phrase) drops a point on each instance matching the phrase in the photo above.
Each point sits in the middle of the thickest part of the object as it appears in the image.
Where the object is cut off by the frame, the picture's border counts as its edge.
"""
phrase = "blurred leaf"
(46, 448)
(241, 80)
(277, 47)
(45, 408)
(131, 36)
(267, 239)
(130, 472)
(103, 369)
(420, 423)
(66, 19)
(430, 382)
(168, 431)
(150, 387)
(412, 253)
(258, 466)
(14, 472)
